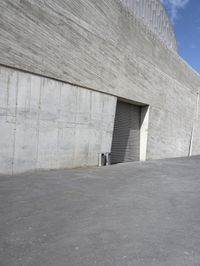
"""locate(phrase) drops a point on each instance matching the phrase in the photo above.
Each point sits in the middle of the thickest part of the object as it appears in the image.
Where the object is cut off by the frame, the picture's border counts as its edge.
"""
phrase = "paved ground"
(132, 214)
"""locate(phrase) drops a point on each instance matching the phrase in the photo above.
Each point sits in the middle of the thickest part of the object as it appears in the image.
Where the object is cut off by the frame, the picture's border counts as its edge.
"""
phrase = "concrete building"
(82, 77)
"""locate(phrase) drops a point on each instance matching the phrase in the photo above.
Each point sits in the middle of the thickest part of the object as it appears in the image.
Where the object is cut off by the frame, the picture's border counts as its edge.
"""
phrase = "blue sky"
(185, 16)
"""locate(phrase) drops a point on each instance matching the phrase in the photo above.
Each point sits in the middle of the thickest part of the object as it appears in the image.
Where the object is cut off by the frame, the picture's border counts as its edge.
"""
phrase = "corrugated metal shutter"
(126, 135)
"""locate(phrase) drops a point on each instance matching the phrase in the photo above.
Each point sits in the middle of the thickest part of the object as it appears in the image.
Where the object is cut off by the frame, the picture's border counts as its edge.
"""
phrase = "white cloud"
(174, 6)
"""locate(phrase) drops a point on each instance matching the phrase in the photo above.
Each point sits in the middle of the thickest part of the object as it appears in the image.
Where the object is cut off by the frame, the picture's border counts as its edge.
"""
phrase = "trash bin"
(101, 159)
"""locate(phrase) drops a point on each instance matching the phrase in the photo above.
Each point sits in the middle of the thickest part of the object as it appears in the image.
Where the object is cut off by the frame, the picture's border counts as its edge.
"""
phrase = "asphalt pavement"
(133, 214)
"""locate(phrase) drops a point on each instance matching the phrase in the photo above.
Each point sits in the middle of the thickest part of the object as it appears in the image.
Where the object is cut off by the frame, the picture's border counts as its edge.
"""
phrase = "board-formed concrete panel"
(96, 44)
(153, 15)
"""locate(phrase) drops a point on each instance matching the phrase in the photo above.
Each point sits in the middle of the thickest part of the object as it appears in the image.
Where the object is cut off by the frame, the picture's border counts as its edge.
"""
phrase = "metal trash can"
(101, 159)
(108, 158)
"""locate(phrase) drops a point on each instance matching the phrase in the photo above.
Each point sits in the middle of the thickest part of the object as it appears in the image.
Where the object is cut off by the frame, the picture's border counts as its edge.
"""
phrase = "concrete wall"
(195, 143)
(111, 53)
(153, 14)
(100, 46)
(48, 124)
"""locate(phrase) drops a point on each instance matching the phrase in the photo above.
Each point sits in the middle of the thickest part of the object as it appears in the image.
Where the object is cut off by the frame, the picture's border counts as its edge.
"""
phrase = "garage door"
(126, 135)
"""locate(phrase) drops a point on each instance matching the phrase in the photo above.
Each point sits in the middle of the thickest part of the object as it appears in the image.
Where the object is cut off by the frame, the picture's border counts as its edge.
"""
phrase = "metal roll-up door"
(126, 135)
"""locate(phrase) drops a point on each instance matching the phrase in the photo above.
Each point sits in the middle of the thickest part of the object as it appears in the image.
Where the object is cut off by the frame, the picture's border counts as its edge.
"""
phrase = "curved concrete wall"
(153, 15)
(98, 45)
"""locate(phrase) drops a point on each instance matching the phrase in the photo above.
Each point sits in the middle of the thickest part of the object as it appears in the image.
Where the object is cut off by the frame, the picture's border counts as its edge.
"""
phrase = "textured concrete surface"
(47, 124)
(113, 53)
(144, 214)
(153, 15)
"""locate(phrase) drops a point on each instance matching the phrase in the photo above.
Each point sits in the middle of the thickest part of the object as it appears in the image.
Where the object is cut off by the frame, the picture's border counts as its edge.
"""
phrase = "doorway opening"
(130, 133)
